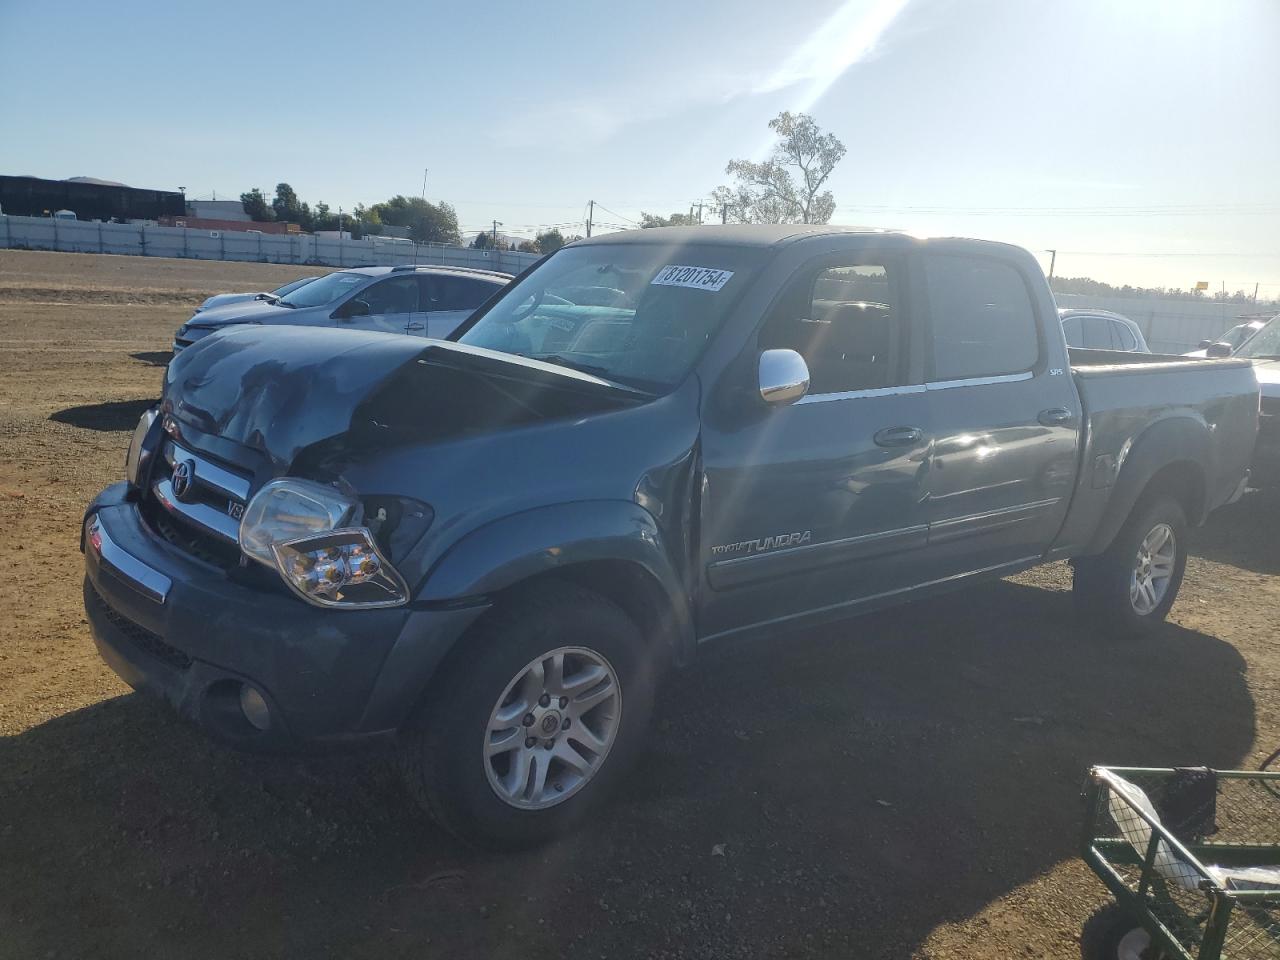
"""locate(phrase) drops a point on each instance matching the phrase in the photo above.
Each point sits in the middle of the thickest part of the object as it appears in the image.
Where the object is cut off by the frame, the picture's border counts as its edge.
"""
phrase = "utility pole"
(1255, 293)
(1053, 259)
(591, 212)
(496, 225)
(699, 213)
(424, 183)
(724, 213)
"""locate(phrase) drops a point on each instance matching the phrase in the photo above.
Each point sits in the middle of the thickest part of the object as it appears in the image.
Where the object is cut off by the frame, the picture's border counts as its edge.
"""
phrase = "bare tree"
(785, 188)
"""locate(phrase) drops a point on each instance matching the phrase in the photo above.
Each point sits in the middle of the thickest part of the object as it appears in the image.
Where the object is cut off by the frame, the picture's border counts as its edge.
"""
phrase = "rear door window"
(984, 323)
(455, 293)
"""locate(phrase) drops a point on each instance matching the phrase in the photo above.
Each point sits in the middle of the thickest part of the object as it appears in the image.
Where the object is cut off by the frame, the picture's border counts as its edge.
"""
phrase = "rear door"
(446, 301)
(821, 503)
(1005, 420)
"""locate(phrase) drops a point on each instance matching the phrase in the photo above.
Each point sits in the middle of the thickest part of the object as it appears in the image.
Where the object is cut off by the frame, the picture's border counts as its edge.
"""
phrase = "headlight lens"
(343, 568)
(304, 530)
(137, 456)
(286, 510)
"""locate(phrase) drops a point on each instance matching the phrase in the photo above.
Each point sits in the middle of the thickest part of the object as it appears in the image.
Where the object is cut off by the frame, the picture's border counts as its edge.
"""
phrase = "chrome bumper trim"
(149, 582)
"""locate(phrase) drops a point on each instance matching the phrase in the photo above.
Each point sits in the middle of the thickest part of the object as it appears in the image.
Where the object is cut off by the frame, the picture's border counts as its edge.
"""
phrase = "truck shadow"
(834, 792)
(1245, 534)
(113, 415)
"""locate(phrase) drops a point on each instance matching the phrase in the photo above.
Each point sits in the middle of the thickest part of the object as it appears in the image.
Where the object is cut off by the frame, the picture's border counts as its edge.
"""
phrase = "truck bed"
(1205, 411)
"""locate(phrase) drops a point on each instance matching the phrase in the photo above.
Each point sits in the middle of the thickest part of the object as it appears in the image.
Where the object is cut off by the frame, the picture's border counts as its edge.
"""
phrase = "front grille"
(190, 539)
(204, 521)
(141, 638)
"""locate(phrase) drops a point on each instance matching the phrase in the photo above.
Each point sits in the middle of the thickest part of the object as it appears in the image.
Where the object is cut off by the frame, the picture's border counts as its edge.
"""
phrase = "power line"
(617, 214)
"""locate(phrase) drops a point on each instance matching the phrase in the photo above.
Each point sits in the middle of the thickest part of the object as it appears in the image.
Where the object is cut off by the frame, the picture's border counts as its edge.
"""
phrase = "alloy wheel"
(552, 728)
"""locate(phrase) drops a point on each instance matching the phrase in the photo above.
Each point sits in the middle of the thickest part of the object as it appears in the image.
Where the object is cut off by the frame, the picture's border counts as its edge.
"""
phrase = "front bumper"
(173, 626)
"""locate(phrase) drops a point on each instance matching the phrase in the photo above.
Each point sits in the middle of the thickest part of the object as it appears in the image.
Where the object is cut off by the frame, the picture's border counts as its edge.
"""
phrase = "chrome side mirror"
(1219, 349)
(784, 376)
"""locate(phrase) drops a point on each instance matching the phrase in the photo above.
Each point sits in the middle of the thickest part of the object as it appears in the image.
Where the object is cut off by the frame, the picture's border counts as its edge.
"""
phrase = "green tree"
(482, 241)
(322, 218)
(528, 246)
(675, 220)
(289, 208)
(427, 222)
(787, 187)
(256, 206)
(367, 221)
(549, 241)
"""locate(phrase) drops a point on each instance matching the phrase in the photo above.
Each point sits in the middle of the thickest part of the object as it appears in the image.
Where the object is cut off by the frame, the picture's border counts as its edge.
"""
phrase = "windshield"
(323, 290)
(637, 314)
(1265, 344)
(288, 288)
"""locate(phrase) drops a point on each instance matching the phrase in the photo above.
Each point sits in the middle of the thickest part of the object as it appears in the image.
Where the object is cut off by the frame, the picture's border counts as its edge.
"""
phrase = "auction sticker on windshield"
(699, 278)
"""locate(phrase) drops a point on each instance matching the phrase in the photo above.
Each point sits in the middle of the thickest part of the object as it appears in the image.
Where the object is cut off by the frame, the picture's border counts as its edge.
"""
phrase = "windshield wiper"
(556, 358)
(603, 373)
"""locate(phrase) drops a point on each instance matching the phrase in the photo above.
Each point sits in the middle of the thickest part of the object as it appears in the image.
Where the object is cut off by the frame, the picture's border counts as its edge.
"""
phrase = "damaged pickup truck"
(485, 550)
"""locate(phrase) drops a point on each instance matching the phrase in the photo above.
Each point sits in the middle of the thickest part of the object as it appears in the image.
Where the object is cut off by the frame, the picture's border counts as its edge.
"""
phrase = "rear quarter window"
(984, 323)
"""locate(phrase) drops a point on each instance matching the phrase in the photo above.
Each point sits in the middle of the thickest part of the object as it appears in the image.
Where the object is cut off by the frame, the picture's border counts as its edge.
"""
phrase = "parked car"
(1101, 330)
(225, 299)
(486, 549)
(1231, 341)
(427, 301)
(1263, 349)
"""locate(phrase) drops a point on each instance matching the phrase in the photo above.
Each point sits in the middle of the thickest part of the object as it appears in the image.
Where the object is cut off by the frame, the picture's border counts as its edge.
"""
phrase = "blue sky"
(1140, 138)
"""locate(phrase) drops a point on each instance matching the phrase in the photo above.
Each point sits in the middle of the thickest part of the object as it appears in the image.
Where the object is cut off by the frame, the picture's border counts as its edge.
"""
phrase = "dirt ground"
(906, 784)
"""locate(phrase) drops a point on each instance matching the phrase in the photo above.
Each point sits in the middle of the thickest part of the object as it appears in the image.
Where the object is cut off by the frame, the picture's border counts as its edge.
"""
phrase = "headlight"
(305, 530)
(287, 510)
(138, 455)
(343, 568)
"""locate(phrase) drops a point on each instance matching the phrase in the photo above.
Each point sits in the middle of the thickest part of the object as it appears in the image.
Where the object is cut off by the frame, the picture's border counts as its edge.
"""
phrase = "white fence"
(1170, 326)
(76, 236)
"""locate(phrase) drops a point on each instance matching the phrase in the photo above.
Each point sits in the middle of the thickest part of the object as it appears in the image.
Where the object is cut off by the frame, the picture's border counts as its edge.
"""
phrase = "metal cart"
(1191, 857)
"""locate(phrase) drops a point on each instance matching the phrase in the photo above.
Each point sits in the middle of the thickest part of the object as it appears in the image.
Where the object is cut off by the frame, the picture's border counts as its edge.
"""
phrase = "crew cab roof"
(776, 234)
(735, 234)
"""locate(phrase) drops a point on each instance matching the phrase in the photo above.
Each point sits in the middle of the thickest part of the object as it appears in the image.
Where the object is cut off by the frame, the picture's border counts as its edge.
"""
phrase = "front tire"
(1131, 587)
(534, 721)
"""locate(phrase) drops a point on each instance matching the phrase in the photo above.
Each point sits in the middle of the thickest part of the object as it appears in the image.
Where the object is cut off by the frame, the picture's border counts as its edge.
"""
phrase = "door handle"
(1055, 416)
(415, 326)
(898, 436)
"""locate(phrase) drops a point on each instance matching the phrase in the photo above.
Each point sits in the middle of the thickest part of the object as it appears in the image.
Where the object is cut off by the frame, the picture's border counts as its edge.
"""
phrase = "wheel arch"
(612, 548)
(1170, 457)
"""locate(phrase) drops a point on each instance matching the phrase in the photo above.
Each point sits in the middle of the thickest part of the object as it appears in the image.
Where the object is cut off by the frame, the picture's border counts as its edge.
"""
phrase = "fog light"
(254, 707)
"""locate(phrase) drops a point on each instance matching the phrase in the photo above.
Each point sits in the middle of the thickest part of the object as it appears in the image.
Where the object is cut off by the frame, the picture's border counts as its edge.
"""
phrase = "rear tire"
(1130, 588)
(558, 654)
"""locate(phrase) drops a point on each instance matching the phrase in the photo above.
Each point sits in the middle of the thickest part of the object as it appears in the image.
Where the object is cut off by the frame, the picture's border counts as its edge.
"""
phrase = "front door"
(820, 503)
(1005, 419)
(388, 306)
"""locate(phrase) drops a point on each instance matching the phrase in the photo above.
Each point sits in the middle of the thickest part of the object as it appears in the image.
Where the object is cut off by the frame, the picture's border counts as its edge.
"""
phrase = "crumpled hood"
(285, 390)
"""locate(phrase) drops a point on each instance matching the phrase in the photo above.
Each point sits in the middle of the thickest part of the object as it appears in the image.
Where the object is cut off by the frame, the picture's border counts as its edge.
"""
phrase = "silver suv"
(417, 300)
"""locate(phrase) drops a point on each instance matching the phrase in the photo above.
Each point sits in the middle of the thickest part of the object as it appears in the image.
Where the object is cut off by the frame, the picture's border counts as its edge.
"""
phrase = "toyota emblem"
(183, 478)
